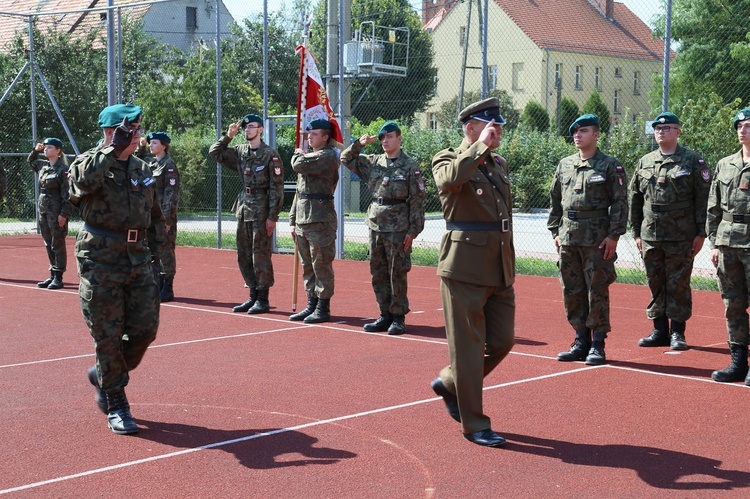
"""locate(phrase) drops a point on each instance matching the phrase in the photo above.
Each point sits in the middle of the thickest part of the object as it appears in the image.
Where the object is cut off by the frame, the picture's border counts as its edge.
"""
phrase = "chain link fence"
(546, 61)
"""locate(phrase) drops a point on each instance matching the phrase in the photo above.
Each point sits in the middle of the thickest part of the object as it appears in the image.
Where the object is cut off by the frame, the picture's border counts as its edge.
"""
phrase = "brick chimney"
(431, 7)
(605, 7)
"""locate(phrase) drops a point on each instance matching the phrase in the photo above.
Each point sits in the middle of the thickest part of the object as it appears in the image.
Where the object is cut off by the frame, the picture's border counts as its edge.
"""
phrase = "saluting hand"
(488, 134)
(233, 129)
(367, 139)
(39, 147)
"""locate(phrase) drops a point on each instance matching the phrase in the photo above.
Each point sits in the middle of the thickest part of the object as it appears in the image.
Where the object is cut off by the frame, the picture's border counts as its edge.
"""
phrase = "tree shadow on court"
(253, 448)
(660, 468)
(696, 372)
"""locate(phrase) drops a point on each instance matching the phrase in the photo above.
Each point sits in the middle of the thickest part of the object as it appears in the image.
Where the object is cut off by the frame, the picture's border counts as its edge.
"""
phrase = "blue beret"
(388, 126)
(319, 125)
(584, 120)
(251, 118)
(52, 141)
(112, 116)
(485, 110)
(666, 119)
(160, 136)
(741, 116)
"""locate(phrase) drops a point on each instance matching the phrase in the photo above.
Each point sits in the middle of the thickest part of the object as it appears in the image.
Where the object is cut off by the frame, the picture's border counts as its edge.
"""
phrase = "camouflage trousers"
(734, 283)
(668, 268)
(166, 255)
(54, 241)
(389, 265)
(479, 326)
(121, 309)
(254, 249)
(585, 277)
(316, 243)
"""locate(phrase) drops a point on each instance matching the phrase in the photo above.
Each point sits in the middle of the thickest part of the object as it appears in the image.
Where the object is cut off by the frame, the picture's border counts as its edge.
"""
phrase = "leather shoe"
(487, 438)
(451, 401)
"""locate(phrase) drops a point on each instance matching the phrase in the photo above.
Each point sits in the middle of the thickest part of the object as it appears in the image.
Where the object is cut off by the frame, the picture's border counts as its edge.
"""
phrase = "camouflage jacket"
(317, 175)
(668, 196)
(477, 246)
(582, 188)
(54, 194)
(115, 197)
(167, 186)
(399, 181)
(262, 175)
(729, 196)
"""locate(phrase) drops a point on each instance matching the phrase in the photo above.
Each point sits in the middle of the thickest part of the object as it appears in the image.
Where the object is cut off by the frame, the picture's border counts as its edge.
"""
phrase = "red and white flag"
(312, 99)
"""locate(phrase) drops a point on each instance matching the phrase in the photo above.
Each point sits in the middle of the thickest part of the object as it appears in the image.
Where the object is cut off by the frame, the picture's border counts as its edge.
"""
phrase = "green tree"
(595, 105)
(447, 115)
(535, 117)
(568, 113)
(399, 98)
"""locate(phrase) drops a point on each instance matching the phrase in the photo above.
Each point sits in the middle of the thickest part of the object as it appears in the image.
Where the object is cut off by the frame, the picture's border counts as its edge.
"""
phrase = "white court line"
(266, 434)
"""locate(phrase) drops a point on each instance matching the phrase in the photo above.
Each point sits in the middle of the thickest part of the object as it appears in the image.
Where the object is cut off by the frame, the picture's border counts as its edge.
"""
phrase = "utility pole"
(460, 100)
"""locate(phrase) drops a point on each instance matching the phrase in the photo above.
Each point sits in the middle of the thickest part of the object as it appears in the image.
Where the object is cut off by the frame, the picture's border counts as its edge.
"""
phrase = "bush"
(535, 117)
(568, 113)
(595, 105)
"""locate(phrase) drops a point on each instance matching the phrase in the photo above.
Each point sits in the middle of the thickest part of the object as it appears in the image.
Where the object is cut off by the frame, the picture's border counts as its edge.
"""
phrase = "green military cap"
(160, 136)
(52, 141)
(666, 119)
(583, 120)
(251, 118)
(320, 124)
(388, 126)
(485, 110)
(743, 115)
(112, 116)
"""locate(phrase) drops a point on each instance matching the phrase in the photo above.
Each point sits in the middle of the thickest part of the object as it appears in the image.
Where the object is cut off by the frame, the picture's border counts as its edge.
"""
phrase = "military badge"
(619, 168)
(148, 181)
(172, 181)
(248, 170)
(619, 180)
(420, 184)
(259, 168)
(744, 187)
(706, 175)
(701, 161)
(277, 170)
(170, 170)
(386, 180)
(479, 192)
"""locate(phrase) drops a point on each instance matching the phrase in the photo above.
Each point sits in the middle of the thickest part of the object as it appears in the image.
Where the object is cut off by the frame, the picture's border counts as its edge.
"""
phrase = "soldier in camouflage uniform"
(668, 197)
(167, 177)
(258, 211)
(313, 220)
(589, 210)
(728, 228)
(395, 218)
(54, 207)
(114, 191)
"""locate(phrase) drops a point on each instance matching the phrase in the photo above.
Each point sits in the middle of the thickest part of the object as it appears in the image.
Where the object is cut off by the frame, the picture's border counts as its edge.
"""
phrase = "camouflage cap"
(52, 141)
(320, 124)
(583, 120)
(485, 110)
(388, 126)
(112, 116)
(251, 118)
(743, 115)
(666, 119)
(160, 136)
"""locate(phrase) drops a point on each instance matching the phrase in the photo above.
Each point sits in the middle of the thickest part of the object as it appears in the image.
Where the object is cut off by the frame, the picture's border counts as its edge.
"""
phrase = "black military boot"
(119, 418)
(677, 340)
(100, 397)
(261, 305)
(737, 369)
(398, 326)
(579, 348)
(322, 312)
(596, 356)
(659, 337)
(167, 292)
(48, 280)
(312, 303)
(57, 282)
(244, 307)
(381, 324)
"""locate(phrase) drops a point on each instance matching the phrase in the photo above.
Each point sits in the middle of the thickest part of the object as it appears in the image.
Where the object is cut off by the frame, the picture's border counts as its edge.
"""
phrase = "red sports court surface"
(233, 405)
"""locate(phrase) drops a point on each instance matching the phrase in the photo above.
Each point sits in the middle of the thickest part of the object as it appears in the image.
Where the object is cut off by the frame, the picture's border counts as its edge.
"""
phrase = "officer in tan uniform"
(589, 210)
(313, 220)
(668, 197)
(395, 218)
(476, 267)
(728, 228)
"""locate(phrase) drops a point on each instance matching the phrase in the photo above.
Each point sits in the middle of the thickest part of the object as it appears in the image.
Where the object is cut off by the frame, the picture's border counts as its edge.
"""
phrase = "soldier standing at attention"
(167, 177)
(668, 198)
(588, 215)
(114, 191)
(258, 210)
(477, 267)
(728, 228)
(54, 207)
(313, 220)
(395, 218)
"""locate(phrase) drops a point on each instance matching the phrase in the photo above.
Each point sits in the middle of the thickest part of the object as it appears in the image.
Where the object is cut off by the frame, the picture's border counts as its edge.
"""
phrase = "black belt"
(388, 201)
(129, 235)
(578, 215)
(737, 218)
(661, 208)
(322, 197)
(502, 225)
(250, 191)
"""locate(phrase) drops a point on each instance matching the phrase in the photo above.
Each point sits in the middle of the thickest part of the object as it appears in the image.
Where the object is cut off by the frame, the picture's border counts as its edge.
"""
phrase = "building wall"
(168, 21)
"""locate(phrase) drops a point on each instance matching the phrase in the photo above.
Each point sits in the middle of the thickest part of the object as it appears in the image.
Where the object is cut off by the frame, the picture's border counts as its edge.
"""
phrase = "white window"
(618, 72)
(433, 121)
(598, 79)
(636, 83)
(558, 74)
(517, 69)
(578, 78)
(492, 77)
(435, 85)
(462, 35)
(616, 103)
